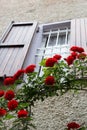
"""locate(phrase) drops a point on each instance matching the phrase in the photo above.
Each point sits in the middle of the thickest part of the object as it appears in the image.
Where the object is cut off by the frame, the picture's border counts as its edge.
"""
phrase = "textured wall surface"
(53, 113)
(43, 11)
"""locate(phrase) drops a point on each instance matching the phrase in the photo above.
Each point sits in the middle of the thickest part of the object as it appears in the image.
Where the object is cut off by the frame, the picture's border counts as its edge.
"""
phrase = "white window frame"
(47, 30)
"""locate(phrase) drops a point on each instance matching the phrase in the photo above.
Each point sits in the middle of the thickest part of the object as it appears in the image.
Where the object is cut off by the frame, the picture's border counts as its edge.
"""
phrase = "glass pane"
(62, 39)
(68, 37)
(52, 41)
(44, 41)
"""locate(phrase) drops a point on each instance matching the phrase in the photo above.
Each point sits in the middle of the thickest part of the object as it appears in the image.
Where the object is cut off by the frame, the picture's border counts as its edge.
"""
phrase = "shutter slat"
(16, 62)
(73, 35)
(79, 32)
(5, 61)
(86, 31)
(11, 62)
(83, 34)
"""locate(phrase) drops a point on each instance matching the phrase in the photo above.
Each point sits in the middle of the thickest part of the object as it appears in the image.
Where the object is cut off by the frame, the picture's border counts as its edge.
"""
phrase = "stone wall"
(53, 113)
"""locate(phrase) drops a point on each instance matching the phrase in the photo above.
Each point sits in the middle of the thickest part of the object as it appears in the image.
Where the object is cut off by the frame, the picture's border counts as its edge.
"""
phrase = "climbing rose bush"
(57, 76)
(75, 126)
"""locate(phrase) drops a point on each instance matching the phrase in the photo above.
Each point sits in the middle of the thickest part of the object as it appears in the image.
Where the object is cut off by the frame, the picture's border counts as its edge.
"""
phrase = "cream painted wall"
(43, 11)
(53, 113)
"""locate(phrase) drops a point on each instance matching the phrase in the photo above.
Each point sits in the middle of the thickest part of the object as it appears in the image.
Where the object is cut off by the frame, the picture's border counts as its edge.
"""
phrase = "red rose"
(80, 49)
(49, 80)
(12, 104)
(30, 68)
(18, 74)
(70, 60)
(9, 95)
(58, 57)
(1, 93)
(9, 81)
(22, 113)
(74, 54)
(73, 125)
(82, 56)
(2, 112)
(50, 62)
(74, 48)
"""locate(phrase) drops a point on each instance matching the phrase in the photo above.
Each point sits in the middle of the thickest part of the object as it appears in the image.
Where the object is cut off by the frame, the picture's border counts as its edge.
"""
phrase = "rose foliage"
(57, 76)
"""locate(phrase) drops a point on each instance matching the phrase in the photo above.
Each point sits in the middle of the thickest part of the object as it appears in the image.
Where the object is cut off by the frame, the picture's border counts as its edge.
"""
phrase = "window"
(55, 40)
(28, 43)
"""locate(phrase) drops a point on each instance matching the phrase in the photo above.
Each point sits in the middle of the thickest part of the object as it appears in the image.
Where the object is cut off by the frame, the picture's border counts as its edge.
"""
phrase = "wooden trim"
(5, 34)
(56, 25)
(5, 45)
(26, 47)
(24, 23)
(73, 33)
(21, 24)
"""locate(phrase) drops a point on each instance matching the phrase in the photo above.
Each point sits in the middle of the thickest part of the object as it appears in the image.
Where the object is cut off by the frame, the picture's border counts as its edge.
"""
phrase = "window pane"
(52, 41)
(62, 37)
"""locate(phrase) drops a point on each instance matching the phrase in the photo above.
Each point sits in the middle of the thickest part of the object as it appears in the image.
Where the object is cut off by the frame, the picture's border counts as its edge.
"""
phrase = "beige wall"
(43, 11)
(53, 113)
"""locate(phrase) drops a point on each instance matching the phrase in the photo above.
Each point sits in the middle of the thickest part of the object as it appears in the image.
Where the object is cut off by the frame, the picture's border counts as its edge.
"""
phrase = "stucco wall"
(43, 11)
(53, 113)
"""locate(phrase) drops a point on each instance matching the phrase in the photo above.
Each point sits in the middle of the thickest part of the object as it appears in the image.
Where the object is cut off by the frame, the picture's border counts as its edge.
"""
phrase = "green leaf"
(42, 63)
(9, 116)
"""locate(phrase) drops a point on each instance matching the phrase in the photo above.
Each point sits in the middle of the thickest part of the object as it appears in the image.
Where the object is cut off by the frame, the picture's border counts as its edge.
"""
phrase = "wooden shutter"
(79, 32)
(14, 47)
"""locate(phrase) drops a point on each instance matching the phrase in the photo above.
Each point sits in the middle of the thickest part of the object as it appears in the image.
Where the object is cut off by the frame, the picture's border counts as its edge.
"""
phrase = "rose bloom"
(82, 56)
(9, 95)
(70, 59)
(9, 81)
(74, 54)
(2, 93)
(18, 74)
(74, 48)
(58, 57)
(49, 80)
(50, 62)
(73, 125)
(80, 49)
(22, 113)
(30, 68)
(12, 104)
(2, 112)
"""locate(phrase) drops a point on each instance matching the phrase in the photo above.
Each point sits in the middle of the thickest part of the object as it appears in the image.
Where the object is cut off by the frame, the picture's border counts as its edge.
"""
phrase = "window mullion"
(66, 39)
(48, 38)
(57, 37)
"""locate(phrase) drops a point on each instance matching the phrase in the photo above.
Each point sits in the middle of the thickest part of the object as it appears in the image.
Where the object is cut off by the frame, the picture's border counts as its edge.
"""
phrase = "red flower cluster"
(49, 80)
(2, 93)
(77, 49)
(30, 68)
(9, 81)
(18, 74)
(82, 56)
(74, 54)
(2, 112)
(73, 125)
(69, 59)
(9, 95)
(58, 57)
(50, 62)
(12, 104)
(22, 113)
